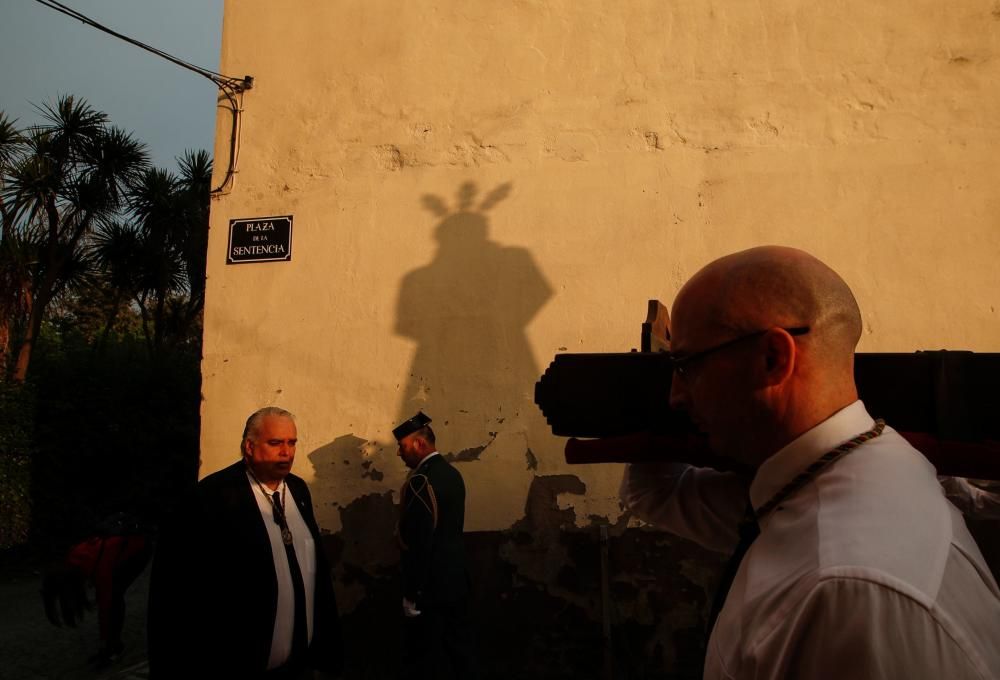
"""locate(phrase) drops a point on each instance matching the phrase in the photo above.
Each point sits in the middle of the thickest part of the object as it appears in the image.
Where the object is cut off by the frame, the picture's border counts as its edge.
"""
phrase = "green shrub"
(114, 431)
(16, 444)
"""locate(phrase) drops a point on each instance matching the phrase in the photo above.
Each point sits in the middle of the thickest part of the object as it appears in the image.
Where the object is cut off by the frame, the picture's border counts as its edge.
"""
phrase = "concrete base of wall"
(538, 610)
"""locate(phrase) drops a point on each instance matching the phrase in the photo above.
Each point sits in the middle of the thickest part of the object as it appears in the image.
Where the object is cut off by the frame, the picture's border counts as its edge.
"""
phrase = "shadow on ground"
(31, 648)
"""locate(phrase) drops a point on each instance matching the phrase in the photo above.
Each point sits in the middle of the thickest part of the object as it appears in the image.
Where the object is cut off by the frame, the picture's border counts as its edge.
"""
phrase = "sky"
(45, 54)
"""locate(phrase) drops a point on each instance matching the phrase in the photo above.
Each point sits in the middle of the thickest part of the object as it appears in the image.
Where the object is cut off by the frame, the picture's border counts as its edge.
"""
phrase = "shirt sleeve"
(416, 529)
(976, 498)
(859, 629)
(696, 503)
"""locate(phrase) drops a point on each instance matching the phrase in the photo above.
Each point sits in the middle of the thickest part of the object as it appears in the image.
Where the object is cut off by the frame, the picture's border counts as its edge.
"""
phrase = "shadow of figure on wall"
(468, 310)
(364, 553)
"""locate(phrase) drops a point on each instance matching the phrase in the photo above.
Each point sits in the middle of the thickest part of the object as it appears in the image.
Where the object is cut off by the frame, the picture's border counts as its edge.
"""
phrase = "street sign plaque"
(260, 239)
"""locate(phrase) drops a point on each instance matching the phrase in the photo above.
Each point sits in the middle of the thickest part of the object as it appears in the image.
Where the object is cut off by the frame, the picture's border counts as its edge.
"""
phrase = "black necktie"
(300, 643)
(749, 530)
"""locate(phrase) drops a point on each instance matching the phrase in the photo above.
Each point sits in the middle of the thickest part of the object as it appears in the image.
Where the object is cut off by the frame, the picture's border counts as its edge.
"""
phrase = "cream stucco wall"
(622, 146)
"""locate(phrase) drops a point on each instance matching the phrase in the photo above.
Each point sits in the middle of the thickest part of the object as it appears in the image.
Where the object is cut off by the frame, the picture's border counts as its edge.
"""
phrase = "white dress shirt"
(865, 572)
(976, 498)
(305, 554)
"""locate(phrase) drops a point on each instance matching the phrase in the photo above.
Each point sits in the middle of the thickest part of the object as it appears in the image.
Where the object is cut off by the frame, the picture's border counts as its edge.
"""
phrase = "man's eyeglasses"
(682, 364)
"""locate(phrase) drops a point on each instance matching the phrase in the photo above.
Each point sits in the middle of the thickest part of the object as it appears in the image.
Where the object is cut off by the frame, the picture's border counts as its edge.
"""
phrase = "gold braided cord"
(404, 503)
(819, 464)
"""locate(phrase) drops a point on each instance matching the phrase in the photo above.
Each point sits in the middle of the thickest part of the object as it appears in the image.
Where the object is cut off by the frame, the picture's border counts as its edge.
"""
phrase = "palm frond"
(115, 247)
(12, 141)
(70, 122)
(113, 160)
(151, 195)
(196, 171)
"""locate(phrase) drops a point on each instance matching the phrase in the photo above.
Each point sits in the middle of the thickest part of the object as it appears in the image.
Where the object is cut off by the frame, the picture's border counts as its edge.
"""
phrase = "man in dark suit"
(240, 586)
(435, 577)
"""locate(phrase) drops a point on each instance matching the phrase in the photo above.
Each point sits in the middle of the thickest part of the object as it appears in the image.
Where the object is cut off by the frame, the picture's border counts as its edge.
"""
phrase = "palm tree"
(72, 173)
(159, 267)
(13, 278)
(194, 194)
(115, 249)
(157, 258)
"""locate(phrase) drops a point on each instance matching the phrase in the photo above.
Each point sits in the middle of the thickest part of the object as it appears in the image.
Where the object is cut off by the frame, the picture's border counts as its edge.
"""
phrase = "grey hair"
(253, 422)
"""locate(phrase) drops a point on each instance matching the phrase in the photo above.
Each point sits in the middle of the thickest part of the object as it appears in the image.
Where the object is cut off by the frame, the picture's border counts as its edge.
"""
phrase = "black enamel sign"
(260, 239)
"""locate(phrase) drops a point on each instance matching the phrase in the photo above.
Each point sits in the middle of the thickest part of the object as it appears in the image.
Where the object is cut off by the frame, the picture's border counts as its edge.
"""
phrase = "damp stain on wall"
(537, 587)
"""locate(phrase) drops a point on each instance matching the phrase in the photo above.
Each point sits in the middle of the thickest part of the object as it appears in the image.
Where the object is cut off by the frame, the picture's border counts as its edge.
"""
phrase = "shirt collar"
(775, 472)
(260, 488)
(426, 458)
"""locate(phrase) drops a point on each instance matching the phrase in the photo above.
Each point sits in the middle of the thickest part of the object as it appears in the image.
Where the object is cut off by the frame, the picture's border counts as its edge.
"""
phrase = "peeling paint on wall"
(459, 217)
(466, 455)
(371, 472)
(365, 550)
(536, 589)
(532, 461)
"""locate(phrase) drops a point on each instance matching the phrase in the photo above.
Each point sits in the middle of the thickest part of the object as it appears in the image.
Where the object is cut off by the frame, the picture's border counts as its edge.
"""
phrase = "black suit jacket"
(433, 558)
(213, 590)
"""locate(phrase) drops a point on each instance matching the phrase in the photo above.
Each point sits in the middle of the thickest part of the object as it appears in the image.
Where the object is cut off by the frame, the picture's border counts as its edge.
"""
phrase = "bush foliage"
(16, 447)
(102, 270)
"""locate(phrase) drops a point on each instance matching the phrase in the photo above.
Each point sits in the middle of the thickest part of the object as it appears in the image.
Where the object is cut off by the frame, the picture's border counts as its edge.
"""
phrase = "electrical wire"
(234, 140)
(230, 87)
(215, 77)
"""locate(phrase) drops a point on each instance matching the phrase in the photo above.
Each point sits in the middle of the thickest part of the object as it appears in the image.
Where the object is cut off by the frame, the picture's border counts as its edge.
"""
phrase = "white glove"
(410, 609)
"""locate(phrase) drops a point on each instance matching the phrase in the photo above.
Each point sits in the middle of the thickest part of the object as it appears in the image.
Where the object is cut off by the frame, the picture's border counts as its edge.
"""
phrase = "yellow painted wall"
(618, 148)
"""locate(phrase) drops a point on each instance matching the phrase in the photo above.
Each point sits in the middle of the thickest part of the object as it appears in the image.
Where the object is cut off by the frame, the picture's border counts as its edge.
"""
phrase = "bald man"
(849, 562)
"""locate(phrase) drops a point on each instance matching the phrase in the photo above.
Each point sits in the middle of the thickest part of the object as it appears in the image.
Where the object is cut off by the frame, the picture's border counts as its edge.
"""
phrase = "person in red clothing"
(109, 561)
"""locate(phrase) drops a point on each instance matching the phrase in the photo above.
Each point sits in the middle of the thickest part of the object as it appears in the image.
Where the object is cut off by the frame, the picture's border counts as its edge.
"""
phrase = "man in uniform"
(435, 577)
(850, 561)
(241, 587)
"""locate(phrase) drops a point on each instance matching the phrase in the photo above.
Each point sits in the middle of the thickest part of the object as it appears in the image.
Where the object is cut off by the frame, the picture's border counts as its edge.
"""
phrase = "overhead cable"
(231, 87)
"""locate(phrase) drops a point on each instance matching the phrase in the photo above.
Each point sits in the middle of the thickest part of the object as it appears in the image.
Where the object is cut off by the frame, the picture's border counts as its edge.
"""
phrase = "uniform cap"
(410, 426)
